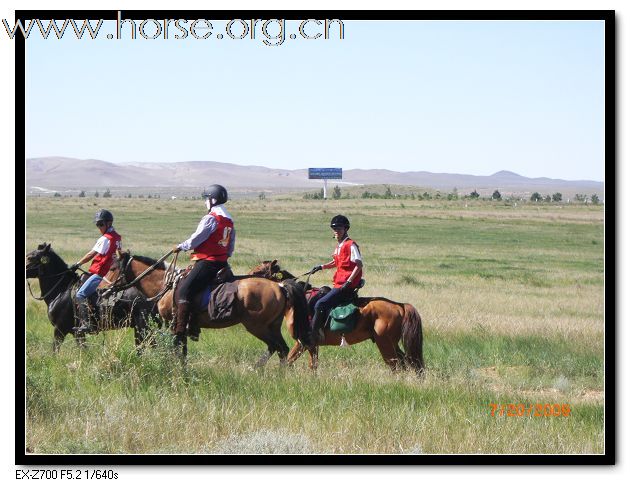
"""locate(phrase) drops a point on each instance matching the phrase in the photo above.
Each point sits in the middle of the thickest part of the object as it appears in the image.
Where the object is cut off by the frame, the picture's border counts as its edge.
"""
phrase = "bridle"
(49, 292)
(170, 276)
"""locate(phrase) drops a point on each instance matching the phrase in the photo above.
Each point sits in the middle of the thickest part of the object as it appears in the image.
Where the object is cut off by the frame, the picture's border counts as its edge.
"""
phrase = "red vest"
(215, 248)
(345, 266)
(102, 262)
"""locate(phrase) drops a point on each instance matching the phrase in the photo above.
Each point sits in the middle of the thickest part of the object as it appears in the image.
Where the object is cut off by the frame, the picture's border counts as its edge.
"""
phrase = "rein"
(49, 292)
(114, 289)
(169, 277)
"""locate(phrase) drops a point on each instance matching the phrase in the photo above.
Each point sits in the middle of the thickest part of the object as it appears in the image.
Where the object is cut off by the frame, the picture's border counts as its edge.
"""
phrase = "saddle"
(218, 297)
(342, 318)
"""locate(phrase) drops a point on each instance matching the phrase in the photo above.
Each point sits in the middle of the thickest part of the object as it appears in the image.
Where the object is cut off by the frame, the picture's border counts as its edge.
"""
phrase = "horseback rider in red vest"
(212, 244)
(102, 255)
(347, 260)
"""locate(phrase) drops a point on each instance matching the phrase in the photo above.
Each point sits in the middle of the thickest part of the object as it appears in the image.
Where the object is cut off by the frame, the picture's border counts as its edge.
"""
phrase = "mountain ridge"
(65, 172)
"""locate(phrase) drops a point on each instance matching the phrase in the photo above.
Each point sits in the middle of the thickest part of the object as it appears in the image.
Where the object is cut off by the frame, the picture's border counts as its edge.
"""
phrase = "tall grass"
(512, 304)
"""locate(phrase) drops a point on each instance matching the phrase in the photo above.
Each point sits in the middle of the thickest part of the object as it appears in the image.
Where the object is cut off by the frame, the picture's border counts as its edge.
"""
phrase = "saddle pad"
(222, 300)
(343, 318)
(205, 297)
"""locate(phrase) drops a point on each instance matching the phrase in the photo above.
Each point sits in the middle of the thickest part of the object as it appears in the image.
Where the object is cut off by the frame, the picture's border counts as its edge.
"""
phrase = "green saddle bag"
(343, 319)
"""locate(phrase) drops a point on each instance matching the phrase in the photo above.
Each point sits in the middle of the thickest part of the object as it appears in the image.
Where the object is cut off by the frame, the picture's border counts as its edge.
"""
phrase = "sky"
(442, 96)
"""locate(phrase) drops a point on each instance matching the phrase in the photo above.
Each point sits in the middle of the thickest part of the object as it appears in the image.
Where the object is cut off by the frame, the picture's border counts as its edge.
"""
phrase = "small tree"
(474, 194)
(336, 192)
(580, 197)
(107, 193)
(594, 199)
(557, 197)
(547, 198)
(536, 197)
(496, 195)
(57, 194)
(96, 194)
(388, 193)
(262, 196)
(82, 193)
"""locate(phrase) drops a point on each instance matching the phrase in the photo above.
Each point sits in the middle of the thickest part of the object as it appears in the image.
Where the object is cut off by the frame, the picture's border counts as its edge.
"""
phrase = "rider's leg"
(198, 279)
(86, 322)
(322, 309)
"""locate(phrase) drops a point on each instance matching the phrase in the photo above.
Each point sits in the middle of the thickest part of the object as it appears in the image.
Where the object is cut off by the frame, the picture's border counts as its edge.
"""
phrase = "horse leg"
(264, 358)
(388, 351)
(313, 357)
(401, 357)
(281, 346)
(58, 338)
(263, 333)
(295, 353)
(80, 340)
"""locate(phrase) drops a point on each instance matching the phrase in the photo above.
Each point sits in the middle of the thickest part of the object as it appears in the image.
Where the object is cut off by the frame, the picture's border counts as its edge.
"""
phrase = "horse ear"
(274, 262)
(41, 246)
(46, 247)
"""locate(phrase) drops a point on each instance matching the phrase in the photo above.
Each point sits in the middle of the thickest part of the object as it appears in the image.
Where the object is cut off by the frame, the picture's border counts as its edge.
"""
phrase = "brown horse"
(260, 305)
(383, 321)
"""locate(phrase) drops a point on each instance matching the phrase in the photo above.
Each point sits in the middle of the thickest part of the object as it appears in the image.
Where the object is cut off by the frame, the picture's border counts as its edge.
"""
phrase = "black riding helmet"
(217, 192)
(340, 221)
(103, 215)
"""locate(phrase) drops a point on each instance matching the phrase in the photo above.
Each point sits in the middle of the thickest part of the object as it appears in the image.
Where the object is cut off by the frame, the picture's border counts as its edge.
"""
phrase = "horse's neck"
(47, 284)
(155, 278)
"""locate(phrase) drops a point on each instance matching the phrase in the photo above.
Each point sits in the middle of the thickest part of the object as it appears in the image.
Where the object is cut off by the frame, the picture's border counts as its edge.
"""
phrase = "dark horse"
(56, 282)
(383, 321)
(260, 305)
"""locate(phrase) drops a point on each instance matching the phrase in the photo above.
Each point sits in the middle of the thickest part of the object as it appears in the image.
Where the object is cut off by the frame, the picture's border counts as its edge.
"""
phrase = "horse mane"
(271, 270)
(56, 260)
(144, 259)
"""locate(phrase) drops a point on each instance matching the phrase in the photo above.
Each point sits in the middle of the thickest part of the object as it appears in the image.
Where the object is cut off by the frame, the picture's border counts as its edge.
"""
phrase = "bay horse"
(383, 321)
(260, 304)
(56, 281)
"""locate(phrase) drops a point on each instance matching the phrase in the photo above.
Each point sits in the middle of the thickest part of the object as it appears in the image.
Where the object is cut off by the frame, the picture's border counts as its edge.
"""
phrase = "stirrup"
(85, 328)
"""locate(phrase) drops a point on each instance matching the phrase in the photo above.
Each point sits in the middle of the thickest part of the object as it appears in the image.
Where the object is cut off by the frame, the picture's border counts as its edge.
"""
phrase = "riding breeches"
(200, 277)
(331, 299)
(89, 287)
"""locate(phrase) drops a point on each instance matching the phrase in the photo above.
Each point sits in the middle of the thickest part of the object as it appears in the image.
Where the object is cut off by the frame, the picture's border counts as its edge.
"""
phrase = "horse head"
(270, 270)
(43, 260)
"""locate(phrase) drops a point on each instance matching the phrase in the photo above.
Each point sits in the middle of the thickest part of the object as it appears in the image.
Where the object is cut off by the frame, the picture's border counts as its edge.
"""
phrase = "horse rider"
(212, 244)
(102, 255)
(347, 260)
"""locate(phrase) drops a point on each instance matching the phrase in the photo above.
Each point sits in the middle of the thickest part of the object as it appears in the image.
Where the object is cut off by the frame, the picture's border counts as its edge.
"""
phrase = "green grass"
(512, 303)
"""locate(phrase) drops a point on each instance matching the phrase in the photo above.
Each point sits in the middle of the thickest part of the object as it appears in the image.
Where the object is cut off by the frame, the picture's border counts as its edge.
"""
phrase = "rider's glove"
(74, 267)
(316, 268)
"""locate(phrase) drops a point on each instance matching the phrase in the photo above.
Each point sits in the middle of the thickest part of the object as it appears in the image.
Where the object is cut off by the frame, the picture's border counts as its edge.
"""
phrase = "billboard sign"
(324, 173)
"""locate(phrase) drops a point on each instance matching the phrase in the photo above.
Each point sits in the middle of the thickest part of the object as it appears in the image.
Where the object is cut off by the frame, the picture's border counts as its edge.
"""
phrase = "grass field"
(512, 301)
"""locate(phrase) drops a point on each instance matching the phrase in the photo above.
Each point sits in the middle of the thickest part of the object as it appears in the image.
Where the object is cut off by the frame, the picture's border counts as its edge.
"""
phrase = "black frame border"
(610, 409)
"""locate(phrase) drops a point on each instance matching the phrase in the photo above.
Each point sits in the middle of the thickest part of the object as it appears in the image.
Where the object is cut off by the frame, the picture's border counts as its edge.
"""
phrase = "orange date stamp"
(544, 410)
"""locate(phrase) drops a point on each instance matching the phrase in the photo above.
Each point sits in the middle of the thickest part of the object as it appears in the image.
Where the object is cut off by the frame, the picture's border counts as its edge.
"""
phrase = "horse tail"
(412, 338)
(297, 300)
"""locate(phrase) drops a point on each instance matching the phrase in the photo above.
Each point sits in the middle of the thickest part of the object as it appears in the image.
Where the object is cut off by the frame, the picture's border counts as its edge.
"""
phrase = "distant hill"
(59, 173)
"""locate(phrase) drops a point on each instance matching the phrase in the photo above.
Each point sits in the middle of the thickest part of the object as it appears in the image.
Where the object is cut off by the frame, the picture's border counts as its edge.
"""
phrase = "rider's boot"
(193, 329)
(86, 323)
(316, 336)
(181, 322)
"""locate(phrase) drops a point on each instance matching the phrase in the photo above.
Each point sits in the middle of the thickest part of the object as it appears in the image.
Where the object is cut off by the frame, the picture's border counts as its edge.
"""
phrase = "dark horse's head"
(43, 261)
(270, 270)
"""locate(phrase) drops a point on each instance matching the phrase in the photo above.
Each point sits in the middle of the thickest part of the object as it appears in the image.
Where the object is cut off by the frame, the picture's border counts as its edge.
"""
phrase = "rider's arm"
(330, 264)
(232, 242)
(206, 227)
(87, 257)
(355, 271)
